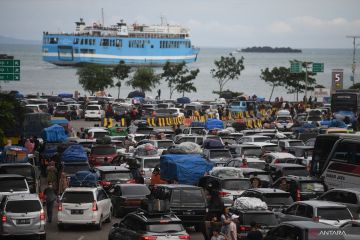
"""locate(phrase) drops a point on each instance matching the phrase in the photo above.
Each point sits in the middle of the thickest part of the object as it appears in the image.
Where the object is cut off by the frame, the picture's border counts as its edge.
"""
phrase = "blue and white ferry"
(135, 44)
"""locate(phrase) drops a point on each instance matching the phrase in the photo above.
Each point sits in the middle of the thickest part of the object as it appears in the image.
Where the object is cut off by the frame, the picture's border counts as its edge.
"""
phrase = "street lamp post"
(353, 67)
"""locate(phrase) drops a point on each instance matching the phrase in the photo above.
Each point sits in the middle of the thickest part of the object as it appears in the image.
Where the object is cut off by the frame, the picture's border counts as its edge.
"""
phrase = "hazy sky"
(218, 23)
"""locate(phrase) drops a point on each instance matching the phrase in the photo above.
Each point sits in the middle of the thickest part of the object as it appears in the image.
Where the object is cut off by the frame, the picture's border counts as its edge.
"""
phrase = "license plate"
(23, 221)
(189, 213)
(77, 212)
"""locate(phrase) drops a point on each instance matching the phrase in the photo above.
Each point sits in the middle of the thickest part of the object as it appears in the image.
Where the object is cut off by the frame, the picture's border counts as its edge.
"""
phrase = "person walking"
(225, 221)
(50, 198)
(254, 233)
(52, 173)
(63, 184)
(232, 235)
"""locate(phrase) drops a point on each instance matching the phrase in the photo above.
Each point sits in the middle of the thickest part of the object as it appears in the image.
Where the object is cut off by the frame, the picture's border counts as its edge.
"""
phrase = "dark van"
(24, 169)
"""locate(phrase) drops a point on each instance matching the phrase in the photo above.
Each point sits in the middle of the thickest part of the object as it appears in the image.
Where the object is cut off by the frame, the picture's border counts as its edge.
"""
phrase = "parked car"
(194, 131)
(251, 162)
(265, 220)
(22, 215)
(186, 201)
(218, 156)
(264, 176)
(285, 169)
(127, 198)
(319, 211)
(288, 144)
(275, 199)
(245, 150)
(301, 230)
(352, 229)
(101, 151)
(301, 188)
(279, 157)
(148, 226)
(254, 138)
(11, 184)
(94, 112)
(198, 139)
(147, 165)
(84, 205)
(346, 196)
(228, 188)
(108, 176)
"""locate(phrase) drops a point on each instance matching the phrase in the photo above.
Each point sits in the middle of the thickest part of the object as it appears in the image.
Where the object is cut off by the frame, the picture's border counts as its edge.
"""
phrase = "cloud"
(280, 27)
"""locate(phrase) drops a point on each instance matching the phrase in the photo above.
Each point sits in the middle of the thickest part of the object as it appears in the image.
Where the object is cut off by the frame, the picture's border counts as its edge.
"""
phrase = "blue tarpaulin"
(213, 123)
(65, 95)
(59, 121)
(83, 179)
(74, 153)
(54, 133)
(184, 168)
(197, 124)
(183, 100)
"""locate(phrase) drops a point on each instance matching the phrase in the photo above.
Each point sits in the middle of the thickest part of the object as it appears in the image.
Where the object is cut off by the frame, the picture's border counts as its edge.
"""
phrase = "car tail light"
(148, 238)
(94, 206)
(276, 161)
(131, 181)
(298, 195)
(184, 237)
(224, 194)
(142, 172)
(244, 228)
(316, 219)
(42, 215)
(105, 183)
(164, 221)
(4, 218)
(60, 207)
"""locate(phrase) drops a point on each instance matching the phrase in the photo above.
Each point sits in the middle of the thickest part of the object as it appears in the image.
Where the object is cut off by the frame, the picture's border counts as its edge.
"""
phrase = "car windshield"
(296, 143)
(192, 196)
(267, 219)
(261, 176)
(113, 176)
(236, 184)
(62, 108)
(257, 165)
(26, 171)
(103, 150)
(135, 190)
(165, 228)
(198, 131)
(77, 197)
(220, 154)
(69, 169)
(166, 111)
(312, 187)
(296, 172)
(92, 108)
(100, 134)
(23, 206)
(8, 185)
(278, 199)
(261, 139)
(283, 119)
(286, 160)
(270, 148)
(333, 213)
(314, 118)
(227, 173)
(165, 144)
(151, 163)
(252, 152)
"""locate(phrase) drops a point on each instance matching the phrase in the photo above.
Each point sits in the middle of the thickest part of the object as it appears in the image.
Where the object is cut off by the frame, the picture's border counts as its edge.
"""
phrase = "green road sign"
(7, 62)
(6, 70)
(317, 67)
(16, 77)
(16, 63)
(295, 67)
(17, 70)
(7, 77)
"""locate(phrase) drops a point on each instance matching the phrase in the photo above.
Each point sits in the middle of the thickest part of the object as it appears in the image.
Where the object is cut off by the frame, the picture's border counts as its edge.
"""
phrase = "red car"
(101, 151)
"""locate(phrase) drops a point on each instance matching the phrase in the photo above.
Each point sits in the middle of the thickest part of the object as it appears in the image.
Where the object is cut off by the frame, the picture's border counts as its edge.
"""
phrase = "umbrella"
(136, 94)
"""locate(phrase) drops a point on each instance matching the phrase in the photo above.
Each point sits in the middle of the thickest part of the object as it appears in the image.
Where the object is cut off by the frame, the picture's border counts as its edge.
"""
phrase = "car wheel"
(108, 220)
(43, 236)
(99, 225)
(61, 227)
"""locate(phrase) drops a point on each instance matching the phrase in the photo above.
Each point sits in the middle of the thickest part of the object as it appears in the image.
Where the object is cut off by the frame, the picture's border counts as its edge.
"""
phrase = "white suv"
(94, 112)
(84, 205)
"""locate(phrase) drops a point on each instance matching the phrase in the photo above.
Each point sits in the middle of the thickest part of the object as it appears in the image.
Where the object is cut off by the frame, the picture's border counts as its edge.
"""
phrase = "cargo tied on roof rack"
(83, 179)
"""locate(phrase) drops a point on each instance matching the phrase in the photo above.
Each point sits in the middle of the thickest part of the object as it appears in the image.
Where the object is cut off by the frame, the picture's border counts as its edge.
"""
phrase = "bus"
(324, 143)
(342, 168)
(345, 101)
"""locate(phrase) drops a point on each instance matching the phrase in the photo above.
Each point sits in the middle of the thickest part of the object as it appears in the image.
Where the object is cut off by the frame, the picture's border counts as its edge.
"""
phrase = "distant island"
(271, 50)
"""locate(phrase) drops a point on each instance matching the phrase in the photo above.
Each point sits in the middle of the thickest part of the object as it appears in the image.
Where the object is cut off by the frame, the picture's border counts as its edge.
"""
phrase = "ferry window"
(86, 41)
(104, 42)
(53, 40)
(118, 43)
(76, 41)
(82, 41)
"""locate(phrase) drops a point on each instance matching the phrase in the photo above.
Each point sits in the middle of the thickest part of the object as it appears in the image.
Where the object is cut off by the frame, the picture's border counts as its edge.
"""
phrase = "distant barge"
(271, 50)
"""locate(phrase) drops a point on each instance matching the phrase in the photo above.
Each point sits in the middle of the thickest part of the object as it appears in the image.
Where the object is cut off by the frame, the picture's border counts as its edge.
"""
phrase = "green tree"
(226, 69)
(93, 77)
(144, 79)
(11, 117)
(355, 86)
(228, 94)
(171, 75)
(121, 72)
(186, 83)
(275, 78)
